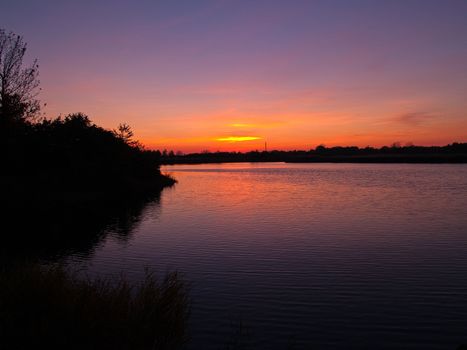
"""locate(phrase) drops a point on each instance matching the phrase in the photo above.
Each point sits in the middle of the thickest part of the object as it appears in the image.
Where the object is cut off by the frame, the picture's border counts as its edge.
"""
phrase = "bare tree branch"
(19, 85)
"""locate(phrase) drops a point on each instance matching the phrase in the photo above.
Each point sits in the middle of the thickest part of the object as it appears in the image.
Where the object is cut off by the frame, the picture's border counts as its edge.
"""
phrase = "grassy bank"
(55, 309)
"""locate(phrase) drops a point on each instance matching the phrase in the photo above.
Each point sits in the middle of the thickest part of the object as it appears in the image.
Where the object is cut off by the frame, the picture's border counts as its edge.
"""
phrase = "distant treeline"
(453, 153)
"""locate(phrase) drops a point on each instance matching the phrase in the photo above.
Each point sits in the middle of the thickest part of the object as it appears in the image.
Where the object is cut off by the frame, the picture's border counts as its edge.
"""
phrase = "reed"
(54, 308)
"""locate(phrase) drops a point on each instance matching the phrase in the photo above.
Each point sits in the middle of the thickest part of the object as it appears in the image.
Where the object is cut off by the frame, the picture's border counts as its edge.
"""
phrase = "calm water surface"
(323, 256)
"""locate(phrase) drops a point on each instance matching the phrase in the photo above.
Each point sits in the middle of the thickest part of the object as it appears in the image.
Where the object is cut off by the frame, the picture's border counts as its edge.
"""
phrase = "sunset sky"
(214, 75)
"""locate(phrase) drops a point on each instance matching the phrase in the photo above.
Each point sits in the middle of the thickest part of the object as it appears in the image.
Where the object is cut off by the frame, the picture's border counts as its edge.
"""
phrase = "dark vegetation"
(51, 308)
(64, 183)
(453, 153)
(64, 173)
(75, 157)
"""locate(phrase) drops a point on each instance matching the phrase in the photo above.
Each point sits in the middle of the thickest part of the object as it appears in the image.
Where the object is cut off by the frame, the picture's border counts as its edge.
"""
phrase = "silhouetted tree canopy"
(69, 154)
(74, 153)
(19, 85)
(125, 134)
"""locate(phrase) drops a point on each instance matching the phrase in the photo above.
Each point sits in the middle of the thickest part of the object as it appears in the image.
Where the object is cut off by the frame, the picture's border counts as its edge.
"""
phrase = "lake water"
(323, 256)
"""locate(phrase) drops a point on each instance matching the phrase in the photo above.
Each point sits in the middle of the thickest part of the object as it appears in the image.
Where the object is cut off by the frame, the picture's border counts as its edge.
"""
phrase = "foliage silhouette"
(64, 174)
(74, 153)
(19, 86)
(71, 177)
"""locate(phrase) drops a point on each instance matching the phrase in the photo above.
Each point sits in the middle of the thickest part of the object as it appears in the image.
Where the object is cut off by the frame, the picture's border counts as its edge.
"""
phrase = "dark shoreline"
(422, 159)
(455, 153)
(49, 208)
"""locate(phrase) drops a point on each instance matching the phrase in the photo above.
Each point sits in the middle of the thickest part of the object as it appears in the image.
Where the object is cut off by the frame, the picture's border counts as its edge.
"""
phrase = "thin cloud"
(413, 118)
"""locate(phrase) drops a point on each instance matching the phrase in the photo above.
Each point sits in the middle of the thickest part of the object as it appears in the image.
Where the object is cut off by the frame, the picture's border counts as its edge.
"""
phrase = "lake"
(323, 256)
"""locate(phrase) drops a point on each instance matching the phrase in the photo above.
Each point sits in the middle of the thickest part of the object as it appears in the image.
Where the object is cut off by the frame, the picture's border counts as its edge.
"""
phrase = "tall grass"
(54, 309)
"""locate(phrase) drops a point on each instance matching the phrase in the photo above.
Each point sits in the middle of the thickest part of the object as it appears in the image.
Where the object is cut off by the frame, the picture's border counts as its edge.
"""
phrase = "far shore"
(455, 153)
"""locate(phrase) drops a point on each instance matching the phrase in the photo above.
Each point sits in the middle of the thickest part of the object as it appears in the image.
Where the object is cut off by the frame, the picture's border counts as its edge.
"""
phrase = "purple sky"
(226, 74)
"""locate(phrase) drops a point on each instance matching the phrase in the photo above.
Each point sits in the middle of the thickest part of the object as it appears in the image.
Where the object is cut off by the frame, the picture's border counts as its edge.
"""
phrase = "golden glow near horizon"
(241, 125)
(238, 138)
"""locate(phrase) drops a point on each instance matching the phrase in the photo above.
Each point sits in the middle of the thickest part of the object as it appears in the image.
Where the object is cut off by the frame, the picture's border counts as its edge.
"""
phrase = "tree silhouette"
(125, 134)
(19, 86)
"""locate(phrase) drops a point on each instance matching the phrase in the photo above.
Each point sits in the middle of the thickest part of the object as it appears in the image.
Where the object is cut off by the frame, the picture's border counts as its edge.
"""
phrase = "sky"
(230, 75)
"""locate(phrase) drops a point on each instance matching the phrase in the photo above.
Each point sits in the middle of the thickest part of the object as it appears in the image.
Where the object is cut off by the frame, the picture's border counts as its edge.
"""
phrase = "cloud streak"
(413, 118)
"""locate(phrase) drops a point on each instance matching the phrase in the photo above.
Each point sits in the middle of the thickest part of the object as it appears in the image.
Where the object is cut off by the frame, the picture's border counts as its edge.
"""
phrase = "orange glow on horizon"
(241, 125)
(238, 138)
